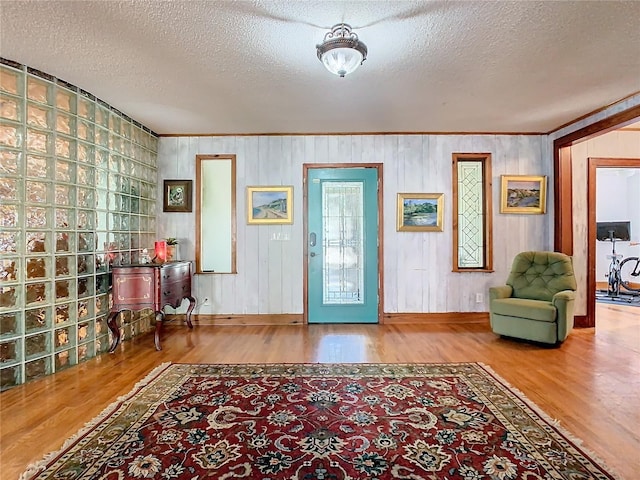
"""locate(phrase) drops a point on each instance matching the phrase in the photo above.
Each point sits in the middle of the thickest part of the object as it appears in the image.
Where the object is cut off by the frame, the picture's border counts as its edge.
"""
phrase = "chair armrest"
(563, 296)
(503, 291)
(564, 303)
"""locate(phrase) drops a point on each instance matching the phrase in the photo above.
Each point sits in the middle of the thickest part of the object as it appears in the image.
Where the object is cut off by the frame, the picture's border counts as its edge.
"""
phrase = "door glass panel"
(343, 243)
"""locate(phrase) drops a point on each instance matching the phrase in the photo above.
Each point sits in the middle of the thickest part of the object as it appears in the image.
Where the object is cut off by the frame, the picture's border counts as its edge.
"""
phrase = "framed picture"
(177, 196)
(269, 205)
(420, 212)
(523, 194)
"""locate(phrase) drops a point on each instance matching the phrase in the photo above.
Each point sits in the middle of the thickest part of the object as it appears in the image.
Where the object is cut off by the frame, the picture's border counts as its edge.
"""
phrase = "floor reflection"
(347, 348)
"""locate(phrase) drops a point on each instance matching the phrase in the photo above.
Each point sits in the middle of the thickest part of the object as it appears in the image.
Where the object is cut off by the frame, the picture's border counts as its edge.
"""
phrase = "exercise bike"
(625, 273)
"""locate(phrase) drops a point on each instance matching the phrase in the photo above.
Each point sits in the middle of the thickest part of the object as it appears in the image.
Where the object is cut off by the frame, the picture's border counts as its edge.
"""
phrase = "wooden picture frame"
(420, 212)
(270, 205)
(523, 194)
(178, 196)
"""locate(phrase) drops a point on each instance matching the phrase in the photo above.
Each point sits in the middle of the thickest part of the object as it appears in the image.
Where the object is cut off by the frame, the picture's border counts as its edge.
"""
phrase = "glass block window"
(472, 212)
(77, 195)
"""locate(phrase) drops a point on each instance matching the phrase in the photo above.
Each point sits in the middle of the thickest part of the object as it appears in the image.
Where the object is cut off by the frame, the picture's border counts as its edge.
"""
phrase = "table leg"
(192, 304)
(113, 326)
(159, 320)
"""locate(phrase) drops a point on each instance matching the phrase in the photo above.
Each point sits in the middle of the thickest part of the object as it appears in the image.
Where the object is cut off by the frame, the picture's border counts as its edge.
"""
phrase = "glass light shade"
(342, 61)
(341, 52)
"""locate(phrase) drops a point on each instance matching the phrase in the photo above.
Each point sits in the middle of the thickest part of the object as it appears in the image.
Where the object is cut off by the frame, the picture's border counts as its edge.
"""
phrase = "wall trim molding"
(594, 112)
(298, 318)
(433, 318)
(337, 134)
(580, 321)
(248, 319)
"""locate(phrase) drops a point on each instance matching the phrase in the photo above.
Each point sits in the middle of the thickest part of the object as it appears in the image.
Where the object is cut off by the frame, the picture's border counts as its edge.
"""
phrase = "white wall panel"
(389, 195)
(417, 265)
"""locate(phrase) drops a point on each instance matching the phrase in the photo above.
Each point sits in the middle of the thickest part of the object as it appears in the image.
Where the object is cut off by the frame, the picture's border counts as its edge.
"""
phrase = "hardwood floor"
(591, 384)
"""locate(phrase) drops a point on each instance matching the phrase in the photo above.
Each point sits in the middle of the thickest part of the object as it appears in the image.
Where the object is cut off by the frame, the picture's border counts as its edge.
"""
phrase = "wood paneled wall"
(417, 265)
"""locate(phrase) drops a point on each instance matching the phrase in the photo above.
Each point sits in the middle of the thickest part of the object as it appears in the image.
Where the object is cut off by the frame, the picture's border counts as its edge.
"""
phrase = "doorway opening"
(613, 196)
(564, 204)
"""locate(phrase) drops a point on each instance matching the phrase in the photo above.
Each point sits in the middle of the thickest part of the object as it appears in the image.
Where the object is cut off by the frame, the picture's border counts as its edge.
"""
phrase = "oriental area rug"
(321, 422)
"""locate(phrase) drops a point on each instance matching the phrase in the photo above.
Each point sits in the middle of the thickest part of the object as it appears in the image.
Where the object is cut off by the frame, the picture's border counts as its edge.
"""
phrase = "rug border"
(552, 422)
(36, 467)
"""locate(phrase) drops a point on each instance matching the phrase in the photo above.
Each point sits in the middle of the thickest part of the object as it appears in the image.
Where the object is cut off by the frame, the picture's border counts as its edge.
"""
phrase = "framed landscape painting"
(269, 205)
(420, 212)
(523, 194)
(177, 196)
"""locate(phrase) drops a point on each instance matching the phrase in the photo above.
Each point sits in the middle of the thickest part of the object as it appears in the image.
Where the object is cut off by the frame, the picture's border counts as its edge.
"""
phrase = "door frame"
(593, 165)
(305, 171)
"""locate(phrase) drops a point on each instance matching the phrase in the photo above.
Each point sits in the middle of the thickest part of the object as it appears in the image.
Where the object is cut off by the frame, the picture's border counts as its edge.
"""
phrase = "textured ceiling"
(207, 67)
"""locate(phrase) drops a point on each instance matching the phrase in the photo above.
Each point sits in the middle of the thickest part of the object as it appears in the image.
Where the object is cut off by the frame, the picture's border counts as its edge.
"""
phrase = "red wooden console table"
(136, 287)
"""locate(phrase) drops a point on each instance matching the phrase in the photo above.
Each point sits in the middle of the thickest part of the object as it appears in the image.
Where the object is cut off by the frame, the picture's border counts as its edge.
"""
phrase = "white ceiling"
(207, 67)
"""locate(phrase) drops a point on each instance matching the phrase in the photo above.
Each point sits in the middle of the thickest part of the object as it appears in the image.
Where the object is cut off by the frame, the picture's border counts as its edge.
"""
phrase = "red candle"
(161, 251)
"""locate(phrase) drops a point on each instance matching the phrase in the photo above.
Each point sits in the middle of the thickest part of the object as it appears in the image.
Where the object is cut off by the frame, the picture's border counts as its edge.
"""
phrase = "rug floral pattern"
(321, 422)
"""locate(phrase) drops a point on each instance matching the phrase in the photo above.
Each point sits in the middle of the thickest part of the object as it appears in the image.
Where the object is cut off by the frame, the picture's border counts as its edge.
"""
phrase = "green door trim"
(379, 229)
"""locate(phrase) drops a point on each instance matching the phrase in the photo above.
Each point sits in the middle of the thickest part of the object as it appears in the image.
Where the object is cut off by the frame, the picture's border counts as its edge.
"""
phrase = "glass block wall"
(77, 194)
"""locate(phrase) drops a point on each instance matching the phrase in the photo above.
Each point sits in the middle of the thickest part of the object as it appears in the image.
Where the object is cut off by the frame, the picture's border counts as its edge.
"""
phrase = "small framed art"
(420, 212)
(177, 196)
(523, 194)
(269, 205)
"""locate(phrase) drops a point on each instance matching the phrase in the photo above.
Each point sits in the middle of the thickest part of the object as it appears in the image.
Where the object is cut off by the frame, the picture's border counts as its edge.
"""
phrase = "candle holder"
(160, 249)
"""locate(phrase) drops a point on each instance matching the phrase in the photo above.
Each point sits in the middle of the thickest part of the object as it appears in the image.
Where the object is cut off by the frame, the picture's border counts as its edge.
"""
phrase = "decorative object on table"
(537, 301)
(523, 194)
(172, 249)
(420, 212)
(341, 52)
(160, 250)
(269, 205)
(288, 421)
(178, 196)
(144, 256)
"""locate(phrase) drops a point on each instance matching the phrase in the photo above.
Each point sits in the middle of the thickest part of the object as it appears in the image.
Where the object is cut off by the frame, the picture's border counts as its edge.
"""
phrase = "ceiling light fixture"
(341, 51)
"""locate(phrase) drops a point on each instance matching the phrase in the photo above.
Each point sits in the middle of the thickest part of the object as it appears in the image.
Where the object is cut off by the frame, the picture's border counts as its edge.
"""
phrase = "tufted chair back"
(540, 275)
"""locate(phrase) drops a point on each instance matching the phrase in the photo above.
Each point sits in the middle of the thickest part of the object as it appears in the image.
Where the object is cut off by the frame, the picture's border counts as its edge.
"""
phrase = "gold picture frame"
(523, 194)
(420, 212)
(270, 205)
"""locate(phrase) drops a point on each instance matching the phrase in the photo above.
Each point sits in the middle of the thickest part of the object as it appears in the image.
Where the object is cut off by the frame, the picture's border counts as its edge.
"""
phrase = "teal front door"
(342, 245)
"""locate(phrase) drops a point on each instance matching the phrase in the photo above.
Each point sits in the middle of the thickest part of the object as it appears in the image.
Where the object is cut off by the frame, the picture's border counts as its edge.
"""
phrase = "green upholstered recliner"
(538, 300)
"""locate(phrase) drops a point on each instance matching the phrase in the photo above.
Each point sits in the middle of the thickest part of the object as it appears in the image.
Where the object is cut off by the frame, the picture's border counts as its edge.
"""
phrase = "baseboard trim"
(447, 317)
(249, 319)
(298, 318)
(581, 321)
